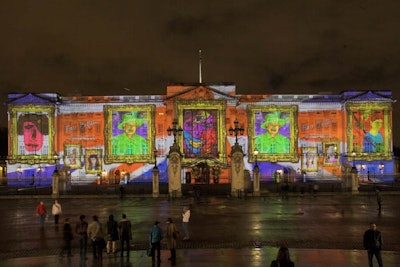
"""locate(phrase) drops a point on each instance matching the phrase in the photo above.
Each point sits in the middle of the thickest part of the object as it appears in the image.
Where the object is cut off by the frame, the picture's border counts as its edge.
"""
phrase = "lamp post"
(155, 159)
(56, 157)
(353, 155)
(354, 178)
(237, 130)
(255, 156)
(381, 167)
(19, 170)
(175, 130)
(39, 171)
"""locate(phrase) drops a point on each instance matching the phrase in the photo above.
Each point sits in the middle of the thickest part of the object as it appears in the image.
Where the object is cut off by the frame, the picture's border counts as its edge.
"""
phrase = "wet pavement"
(325, 230)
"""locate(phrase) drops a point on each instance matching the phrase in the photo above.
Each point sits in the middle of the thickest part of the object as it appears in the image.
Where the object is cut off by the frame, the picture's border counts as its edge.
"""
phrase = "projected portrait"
(331, 153)
(34, 130)
(72, 155)
(369, 129)
(309, 161)
(273, 132)
(273, 135)
(31, 128)
(129, 133)
(93, 160)
(203, 129)
(200, 133)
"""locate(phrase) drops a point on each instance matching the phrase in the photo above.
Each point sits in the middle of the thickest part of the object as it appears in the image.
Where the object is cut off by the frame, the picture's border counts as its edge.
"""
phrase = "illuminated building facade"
(121, 138)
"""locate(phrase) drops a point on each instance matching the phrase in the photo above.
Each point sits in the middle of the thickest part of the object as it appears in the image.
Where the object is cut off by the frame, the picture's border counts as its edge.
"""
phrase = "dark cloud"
(101, 47)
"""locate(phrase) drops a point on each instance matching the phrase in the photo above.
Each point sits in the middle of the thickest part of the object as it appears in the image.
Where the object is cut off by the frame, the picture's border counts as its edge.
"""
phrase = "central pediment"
(197, 91)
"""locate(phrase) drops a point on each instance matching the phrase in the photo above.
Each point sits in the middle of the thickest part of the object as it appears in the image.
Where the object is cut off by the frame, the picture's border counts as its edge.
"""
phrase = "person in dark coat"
(283, 258)
(172, 236)
(67, 236)
(81, 230)
(112, 235)
(125, 233)
(373, 244)
(156, 235)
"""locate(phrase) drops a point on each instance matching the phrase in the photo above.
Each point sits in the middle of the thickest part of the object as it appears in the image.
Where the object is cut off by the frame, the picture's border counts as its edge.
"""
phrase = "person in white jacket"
(185, 222)
(56, 211)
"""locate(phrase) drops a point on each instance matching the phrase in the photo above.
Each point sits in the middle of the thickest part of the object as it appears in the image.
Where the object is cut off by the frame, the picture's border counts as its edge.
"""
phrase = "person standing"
(67, 236)
(282, 259)
(95, 233)
(156, 235)
(81, 230)
(41, 211)
(125, 234)
(373, 244)
(112, 235)
(185, 222)
(172, 236)
(56, 211)
(379, 199)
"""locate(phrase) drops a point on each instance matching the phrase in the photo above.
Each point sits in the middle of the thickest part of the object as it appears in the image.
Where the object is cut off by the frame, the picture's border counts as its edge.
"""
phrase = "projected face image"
(130, 142)
(272, 141)
(33, 138)
(373, 139)
(33, 128)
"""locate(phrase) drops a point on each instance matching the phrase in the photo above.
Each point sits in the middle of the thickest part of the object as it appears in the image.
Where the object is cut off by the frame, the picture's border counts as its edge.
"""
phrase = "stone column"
(174, 172)
(256, 181)
(237, 171)
(156, 185)
(354, 180)
(55, 187)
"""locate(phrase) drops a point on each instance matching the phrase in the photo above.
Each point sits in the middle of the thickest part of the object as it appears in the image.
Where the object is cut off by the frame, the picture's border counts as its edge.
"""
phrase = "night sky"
(101, 47)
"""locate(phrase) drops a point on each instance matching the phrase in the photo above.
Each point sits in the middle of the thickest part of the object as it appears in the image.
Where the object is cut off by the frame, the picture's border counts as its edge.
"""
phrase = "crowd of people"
(114, 236)
(107, 237)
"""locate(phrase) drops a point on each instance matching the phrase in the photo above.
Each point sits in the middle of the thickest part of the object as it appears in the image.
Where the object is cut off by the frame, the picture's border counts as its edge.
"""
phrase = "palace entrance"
(204, 171)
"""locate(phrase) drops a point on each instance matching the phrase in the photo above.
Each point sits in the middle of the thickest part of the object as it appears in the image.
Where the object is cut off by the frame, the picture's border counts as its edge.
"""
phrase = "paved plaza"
(325, 230)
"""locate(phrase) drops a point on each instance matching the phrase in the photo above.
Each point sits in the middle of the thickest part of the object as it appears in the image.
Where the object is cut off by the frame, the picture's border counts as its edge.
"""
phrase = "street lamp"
(353, 154)
(56, 157)
(354, 169)
(155, 159)
(381, 167)
(175, 130)
(255, 156)
(19, 170)
(236, 130)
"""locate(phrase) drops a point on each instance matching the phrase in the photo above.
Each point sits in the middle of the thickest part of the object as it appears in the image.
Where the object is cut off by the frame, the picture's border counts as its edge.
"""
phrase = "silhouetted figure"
(81, 230)
(67, 236)
(373, 244)
(282, 259)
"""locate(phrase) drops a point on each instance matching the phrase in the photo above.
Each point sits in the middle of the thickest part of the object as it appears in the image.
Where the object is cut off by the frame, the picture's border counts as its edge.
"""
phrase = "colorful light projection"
(73, 155)
(331, 152)
(200, 133)
(32, 128)
(94, 160)
(309, 162)
(129, 133)
(204, 132)
(274, 132)
(369, 130)
(85, 128)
